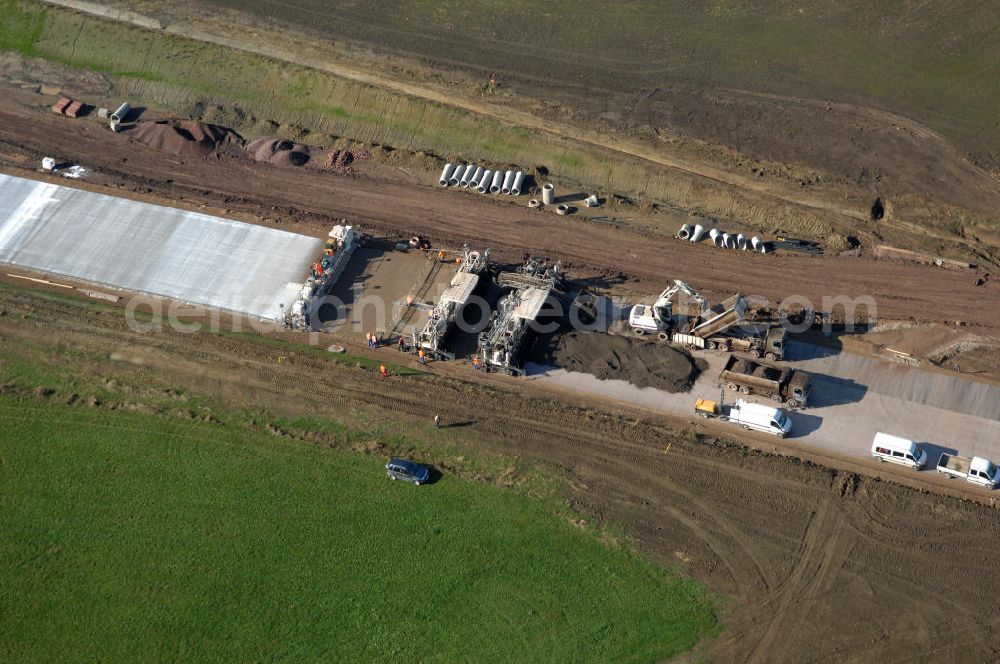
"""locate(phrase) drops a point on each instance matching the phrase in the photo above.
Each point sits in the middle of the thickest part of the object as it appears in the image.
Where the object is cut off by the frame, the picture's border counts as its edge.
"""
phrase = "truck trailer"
(753, 376)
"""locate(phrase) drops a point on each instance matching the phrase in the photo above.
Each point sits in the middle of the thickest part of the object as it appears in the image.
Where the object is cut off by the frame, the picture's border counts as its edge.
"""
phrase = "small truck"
(976, 469)
(755, 416)
(752, 376)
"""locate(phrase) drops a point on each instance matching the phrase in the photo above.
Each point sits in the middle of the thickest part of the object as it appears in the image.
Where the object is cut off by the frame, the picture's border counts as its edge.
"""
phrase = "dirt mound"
(280, 152)
(187, 138)
(339, 161)
(642, 363)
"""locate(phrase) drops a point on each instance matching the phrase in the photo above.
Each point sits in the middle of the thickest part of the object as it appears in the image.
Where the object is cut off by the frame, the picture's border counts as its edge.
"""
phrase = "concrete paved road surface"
(118, 242)
(853, 398)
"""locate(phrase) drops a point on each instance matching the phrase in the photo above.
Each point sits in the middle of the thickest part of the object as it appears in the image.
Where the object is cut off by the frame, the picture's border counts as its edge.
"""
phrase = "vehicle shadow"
(934, 452)
(435, 474)
(800, 349)
(804, 424)
(834, 391)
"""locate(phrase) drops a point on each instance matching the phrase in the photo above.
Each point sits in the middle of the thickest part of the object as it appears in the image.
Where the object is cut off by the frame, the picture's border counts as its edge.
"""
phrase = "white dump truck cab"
(895, 449)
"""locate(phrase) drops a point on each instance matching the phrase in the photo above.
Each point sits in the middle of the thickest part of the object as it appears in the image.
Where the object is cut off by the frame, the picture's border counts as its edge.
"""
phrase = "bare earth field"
(801, 146)
(818, 564)
(311, 202)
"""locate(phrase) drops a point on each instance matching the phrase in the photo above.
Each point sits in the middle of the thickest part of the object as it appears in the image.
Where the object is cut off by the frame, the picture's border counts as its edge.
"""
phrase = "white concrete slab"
(146, 248)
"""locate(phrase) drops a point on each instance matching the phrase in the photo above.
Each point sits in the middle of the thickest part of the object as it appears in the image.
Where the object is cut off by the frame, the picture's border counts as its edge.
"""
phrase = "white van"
(898, 450)
(760, 418)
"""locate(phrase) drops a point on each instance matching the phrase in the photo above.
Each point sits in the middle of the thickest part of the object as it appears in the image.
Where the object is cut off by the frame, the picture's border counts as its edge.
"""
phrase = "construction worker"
(374, 340)
(402, 343)
(441, 256)
(422, 356)
(475, 362)
(382, 371)
(437, 421)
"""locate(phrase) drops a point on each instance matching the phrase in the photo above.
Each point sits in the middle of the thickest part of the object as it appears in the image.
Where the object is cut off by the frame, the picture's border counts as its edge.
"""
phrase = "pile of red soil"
(187, 138)
(280, 152)
(339, 161)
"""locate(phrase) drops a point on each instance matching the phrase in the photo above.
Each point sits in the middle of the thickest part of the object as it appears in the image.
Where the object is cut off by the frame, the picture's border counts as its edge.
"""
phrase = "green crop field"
(129, 536)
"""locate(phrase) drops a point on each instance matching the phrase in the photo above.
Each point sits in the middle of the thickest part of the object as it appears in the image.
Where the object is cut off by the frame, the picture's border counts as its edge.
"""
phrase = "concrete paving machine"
(501, 343)
(432, 336)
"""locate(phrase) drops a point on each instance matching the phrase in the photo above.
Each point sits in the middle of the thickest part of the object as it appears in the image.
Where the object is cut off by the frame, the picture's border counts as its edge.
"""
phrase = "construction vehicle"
(753, 376)
(976, 469)
(751, 416)
(502, 341)
(431, 338)
(682, 316)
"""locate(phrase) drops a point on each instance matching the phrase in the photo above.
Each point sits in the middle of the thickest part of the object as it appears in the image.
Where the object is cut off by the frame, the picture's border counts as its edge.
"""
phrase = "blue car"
(404, 469)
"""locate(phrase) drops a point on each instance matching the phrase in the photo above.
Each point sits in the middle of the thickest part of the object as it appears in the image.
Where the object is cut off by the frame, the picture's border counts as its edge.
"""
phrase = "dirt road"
(311, 202)
(817, 565)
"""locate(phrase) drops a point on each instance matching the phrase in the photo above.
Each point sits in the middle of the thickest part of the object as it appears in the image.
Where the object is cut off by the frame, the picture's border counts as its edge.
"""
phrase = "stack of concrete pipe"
(721, 239)
(482, 179)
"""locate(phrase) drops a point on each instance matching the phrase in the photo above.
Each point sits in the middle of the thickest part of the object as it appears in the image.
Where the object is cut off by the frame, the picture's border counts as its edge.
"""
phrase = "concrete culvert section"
(612, 357)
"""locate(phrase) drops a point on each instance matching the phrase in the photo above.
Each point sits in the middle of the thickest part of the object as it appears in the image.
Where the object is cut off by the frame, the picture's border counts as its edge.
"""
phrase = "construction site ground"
(371, 295)
(853, 397)
(816, 563)
(615, 256)
(857, 563)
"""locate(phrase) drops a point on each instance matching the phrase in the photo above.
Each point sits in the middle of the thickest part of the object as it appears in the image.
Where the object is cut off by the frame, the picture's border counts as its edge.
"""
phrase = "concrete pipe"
(563, 209)
(741, 242)
(121, 113)
(467, 175)
(729, 241)
(446, 174)
(497, 182)
(515, 188)
(725, 240)
(534, 203)
(592, 201)
(763, 248)
(548, 194)
(755, 243)
(685, 232)
(716, 236)
(476, 177)
(485, 181)
(697, 233)
(508, 182)
(456, 176)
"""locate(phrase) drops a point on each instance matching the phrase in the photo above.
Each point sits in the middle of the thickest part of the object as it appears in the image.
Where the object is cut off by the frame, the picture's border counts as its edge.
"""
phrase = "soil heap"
(280, 152)
(187, 138)
(606, 356)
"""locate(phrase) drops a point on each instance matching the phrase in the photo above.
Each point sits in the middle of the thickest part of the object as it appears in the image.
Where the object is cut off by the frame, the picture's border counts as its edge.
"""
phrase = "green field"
(136, 537)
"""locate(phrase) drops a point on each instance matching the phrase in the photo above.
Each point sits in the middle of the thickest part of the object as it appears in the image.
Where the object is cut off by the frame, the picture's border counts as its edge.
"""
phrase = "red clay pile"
(339, 161)
(187, 138)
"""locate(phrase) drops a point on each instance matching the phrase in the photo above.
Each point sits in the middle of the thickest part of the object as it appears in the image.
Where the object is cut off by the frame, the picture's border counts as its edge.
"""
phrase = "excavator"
(681, 315)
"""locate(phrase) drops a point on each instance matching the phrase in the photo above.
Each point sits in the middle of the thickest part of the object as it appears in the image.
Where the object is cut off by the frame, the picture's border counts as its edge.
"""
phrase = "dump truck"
(682, 316)
(751, 416)
(975, 469)
(754, 376)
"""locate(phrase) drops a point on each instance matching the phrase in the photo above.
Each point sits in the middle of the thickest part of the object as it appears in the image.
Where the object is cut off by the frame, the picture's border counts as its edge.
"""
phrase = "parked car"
(404, 469)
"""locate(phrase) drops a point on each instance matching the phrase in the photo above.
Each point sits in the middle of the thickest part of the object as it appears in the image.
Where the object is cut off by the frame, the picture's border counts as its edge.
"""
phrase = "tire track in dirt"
(817, 564)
